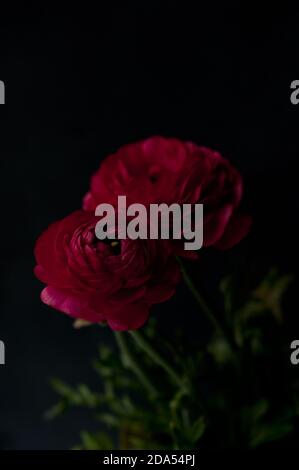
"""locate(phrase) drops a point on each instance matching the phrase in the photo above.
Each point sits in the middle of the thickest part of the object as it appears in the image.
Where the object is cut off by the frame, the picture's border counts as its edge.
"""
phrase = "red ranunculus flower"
(162, 170)
(97, 281)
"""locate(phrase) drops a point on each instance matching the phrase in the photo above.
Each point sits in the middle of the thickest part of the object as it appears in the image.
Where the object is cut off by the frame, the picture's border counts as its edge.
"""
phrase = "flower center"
(114, 245)
(153, 178)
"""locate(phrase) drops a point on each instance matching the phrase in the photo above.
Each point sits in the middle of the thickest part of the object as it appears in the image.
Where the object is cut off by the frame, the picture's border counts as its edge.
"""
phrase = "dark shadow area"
(77, 88)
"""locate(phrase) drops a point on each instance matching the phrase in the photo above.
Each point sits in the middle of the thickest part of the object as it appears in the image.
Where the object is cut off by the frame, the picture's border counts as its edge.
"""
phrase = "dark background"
(79, 84)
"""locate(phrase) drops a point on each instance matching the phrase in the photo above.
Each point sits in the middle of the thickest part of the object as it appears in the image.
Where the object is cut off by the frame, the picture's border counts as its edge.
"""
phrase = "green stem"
(205, 307)
(130, 363)
(155, 356)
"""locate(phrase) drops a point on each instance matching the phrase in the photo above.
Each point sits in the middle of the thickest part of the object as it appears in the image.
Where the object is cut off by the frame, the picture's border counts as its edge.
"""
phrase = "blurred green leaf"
(220, 350)
(198, 429)
(270, 432)
(94, 441)
(271, 290)
(56, 410)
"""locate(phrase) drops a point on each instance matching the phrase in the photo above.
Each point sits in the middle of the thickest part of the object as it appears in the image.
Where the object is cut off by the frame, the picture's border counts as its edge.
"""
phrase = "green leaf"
(88, 398)
(109, 419)
(66, 391)
(220, 350)
(97, 441)
(198, 429)
(56, 410)
(271, 290)
(259, 409)
(270, 432)
(267, 297)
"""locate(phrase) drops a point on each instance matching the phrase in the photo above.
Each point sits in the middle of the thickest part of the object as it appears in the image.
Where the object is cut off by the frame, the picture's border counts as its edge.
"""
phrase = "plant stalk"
(156, 357)
(206, 309)
(130, 363)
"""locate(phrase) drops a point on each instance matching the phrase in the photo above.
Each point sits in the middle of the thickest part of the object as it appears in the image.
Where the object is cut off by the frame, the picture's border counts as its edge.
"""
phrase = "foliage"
(222, 392)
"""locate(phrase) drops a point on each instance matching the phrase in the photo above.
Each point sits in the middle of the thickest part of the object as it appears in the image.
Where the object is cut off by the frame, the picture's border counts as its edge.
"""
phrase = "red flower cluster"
(118, 281)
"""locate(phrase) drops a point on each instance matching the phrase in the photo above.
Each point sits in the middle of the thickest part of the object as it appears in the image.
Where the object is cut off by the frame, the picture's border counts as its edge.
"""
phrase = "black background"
(81, 83)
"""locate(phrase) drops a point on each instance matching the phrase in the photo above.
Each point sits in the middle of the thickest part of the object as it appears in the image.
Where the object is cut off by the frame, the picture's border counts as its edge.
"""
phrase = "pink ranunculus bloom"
(167, 170)
(98, 281)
